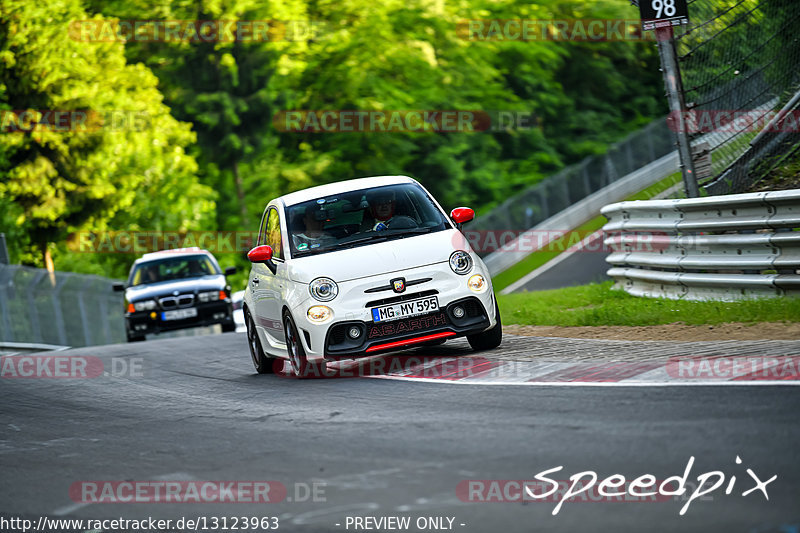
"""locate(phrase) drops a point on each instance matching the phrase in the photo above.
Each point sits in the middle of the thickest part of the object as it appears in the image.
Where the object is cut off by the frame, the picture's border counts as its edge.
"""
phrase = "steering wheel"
(402, 222)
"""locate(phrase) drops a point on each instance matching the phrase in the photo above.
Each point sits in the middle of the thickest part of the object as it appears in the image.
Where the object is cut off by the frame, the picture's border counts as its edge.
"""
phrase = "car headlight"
(460, 262)
(145, 305)
(323, 289)
(319, 313)
(476, 283)
(210, 296)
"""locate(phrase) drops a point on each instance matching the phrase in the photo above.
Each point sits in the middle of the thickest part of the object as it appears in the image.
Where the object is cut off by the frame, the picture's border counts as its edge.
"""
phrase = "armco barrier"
(61, 308)
(719, 247)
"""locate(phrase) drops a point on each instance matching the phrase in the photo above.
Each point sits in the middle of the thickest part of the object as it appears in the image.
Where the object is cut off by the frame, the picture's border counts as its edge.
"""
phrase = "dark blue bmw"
(176, 289)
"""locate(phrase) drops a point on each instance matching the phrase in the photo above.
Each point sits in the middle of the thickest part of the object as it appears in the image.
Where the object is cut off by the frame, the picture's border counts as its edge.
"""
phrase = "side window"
(273, 233)
(262, 232)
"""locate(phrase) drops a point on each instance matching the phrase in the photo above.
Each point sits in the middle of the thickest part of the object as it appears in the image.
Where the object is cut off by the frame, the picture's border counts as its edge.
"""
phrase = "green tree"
(127, 167)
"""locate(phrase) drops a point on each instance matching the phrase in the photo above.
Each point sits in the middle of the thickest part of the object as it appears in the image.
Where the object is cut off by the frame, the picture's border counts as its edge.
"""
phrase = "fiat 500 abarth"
(361, 267)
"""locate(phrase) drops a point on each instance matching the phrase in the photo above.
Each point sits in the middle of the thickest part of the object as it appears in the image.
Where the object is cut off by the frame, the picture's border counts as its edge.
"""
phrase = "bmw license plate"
(405, 309)
(179, 314)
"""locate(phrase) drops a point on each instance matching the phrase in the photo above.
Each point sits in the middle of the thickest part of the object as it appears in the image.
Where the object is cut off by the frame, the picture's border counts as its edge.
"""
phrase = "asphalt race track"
(192, 408)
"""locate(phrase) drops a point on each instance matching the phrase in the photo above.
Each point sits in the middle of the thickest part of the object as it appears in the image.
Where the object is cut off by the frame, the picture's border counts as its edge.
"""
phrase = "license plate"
(179, 314)
(405, 309)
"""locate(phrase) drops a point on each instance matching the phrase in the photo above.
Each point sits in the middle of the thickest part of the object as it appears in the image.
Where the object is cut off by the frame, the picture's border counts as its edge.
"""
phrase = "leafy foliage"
(391, 55)
(127, 169)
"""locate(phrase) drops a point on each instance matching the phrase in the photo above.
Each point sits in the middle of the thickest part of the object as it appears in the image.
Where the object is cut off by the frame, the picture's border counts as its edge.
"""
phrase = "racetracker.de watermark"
(140, 242)
(510, 241)
(480, 241)
(397, 121)
(734, 121)
(196, 491)
(54, 366)
(410, 366)
(71, 121)
(748, 368)
(583, 30)
(195, 31)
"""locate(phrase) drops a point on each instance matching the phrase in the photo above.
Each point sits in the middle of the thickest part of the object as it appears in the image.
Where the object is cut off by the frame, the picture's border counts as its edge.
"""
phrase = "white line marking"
(597, 383)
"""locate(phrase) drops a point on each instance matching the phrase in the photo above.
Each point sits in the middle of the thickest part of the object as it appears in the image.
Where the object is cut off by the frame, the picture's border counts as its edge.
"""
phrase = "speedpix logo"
(585, 486)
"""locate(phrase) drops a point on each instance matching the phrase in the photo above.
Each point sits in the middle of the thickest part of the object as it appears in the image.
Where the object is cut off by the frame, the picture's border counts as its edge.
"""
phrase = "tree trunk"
(237, 180)
(48, 262)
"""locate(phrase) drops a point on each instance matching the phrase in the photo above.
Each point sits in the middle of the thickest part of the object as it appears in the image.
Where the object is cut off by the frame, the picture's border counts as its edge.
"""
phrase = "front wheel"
(135, 338)
(263, 364)
(489, 339)
(297, 354)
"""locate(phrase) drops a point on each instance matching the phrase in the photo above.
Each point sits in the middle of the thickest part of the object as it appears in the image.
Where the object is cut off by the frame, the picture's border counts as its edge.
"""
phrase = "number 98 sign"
(661, 13)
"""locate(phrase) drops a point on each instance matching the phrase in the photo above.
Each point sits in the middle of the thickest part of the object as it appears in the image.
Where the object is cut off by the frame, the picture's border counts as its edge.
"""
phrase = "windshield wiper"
(371, 238)
(413, 231)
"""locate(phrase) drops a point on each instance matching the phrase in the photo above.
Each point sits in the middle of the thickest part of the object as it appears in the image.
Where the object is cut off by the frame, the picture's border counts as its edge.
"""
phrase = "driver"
(381, 208)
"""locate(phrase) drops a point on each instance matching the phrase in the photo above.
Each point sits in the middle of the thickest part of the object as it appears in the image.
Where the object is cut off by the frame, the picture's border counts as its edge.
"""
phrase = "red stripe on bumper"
(408, 342)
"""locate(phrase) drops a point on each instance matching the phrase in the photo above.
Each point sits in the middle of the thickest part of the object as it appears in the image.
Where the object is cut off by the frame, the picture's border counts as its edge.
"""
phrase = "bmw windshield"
(361, 217)
(171, 268)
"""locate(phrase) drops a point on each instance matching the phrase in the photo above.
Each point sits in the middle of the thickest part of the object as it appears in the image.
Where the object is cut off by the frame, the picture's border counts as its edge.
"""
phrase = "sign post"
(661, 16)
(663, 13)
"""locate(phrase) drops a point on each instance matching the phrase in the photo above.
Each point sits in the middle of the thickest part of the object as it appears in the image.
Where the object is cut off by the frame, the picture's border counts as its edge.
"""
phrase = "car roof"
(177, 252)
(339, 187)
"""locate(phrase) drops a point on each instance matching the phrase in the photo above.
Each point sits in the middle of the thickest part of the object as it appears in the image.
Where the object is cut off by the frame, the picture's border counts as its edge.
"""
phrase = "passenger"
(312, 235)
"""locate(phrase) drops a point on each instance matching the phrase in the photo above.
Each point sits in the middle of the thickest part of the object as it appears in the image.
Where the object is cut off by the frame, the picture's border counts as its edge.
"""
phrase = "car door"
(267, 287)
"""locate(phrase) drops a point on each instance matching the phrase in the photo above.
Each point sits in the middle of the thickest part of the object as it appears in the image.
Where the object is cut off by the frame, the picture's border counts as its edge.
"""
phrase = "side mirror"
(118, 287)
(260, 254)
(230, 271)
(461, 215)
(263, 254)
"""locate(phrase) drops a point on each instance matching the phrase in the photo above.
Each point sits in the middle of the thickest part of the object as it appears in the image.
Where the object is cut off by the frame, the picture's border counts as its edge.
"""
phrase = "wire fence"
(62, 308)
(559, 191)
(736, 56)
(741, 56)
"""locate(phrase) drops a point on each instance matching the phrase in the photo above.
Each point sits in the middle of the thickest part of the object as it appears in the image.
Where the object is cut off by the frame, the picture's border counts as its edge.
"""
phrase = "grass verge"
(600, 305)
(537, 259)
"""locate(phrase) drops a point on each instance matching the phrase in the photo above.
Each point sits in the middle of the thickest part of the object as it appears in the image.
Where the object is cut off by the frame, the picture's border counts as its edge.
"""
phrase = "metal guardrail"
(61, 308)
(719, 247)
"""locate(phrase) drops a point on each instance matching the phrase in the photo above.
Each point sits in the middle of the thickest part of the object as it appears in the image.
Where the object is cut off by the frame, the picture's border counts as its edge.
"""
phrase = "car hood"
(165, 288)
(379, 258)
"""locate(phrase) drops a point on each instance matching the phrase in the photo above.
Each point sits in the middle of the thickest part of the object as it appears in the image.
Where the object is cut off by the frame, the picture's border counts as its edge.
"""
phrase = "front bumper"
(398, 334)
(352, 309)
(146, 322)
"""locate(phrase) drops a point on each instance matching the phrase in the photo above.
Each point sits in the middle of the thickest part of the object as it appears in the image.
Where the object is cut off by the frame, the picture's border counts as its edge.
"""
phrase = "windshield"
(361, 217)
(179, 267)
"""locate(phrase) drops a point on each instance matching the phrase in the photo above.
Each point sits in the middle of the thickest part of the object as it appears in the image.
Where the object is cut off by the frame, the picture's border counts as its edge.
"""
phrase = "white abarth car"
(360, 267)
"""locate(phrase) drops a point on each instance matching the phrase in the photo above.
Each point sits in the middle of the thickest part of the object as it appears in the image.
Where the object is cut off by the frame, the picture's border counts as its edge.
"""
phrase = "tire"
(263, 364)
(135, 338)
(227, 328)
(294, 346)
(489, 339)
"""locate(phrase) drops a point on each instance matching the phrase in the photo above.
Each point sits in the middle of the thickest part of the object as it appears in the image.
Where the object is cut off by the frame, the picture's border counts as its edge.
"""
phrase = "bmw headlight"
(460, 262)
(145, 305)
(323, 289)
(210, 296)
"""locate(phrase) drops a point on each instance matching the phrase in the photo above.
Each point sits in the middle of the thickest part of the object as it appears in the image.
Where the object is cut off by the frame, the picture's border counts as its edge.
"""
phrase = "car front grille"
(176, 302)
